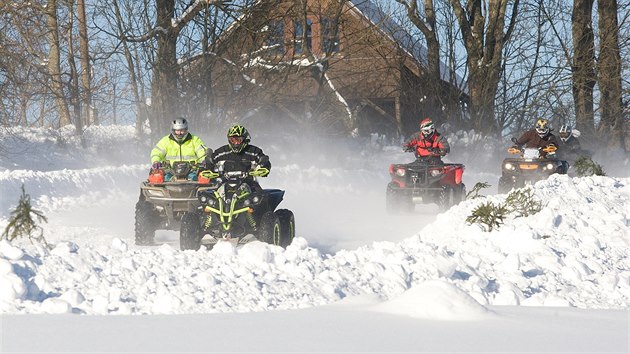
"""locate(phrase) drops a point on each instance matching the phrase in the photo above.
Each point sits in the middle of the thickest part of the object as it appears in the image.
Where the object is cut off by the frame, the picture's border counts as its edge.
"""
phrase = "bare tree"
(86, 80)
(54, 62)
(427, 25)
(609, 75)
(583, 66)
(484, 36)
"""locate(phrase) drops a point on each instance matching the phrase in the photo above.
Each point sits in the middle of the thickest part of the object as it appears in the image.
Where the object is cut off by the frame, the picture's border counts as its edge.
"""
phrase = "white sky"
(355, 279)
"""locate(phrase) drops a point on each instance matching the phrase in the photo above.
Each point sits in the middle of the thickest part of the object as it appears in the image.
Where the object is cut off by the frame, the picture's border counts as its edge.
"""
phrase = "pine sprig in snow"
(24, 222)
(520, 202)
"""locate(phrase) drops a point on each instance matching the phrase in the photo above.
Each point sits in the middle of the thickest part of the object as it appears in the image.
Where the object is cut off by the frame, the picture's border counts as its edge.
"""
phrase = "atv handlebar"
(550, 149)
(256, 172)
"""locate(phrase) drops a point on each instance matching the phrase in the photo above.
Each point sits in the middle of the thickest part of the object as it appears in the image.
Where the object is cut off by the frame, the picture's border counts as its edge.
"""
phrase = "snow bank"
(575, 252)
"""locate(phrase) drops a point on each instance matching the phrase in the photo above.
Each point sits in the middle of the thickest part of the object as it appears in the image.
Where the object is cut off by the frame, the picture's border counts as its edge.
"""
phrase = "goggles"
(236, 140)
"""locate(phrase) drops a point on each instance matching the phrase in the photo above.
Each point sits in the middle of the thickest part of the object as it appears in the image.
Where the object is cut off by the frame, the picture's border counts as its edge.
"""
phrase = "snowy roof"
(400, 35)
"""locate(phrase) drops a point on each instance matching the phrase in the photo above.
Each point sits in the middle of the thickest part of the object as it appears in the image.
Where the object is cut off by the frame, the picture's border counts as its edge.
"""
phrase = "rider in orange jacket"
(428, 145)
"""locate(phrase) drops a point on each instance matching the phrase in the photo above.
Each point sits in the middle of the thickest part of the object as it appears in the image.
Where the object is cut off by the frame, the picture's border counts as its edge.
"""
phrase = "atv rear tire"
(446, 198)
(147, 219)
(190, 232)
(287, 226)
(269, 229)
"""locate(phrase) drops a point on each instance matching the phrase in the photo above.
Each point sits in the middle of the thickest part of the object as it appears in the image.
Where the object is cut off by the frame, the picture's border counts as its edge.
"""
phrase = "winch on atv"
(419, 182)
(532, 165)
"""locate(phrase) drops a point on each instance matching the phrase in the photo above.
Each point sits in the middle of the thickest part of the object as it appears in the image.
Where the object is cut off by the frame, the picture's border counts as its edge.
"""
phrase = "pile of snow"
(575, 252)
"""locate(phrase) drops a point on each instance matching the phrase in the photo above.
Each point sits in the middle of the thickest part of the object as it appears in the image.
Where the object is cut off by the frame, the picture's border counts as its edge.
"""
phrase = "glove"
(408, 148)
(434, 150)
(260, 172)
(156, 166)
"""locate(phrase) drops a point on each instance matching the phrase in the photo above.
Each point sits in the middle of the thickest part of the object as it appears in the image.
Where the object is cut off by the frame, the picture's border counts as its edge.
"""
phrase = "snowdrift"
(575, 252)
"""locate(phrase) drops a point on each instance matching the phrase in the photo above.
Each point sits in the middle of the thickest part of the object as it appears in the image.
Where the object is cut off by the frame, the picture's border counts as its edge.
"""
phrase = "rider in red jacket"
(427, 144)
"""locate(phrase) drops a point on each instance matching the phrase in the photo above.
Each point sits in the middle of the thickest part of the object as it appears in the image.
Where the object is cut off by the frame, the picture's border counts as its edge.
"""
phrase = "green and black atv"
(237, 210)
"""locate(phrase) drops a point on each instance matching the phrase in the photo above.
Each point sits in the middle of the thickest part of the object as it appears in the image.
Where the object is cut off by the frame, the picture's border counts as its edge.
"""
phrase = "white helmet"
(179, 129)
(565, 133)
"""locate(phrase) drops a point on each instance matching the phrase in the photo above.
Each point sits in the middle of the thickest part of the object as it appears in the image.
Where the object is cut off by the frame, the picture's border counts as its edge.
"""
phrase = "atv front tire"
(146, 222)
(460, 193)
(287, 226)
(190, 232)
(505, 185)
(446, 198)
(396, 201)
(269, 229)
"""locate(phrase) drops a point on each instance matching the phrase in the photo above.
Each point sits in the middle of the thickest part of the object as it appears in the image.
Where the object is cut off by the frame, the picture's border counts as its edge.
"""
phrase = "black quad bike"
(531, 166)
(419, 182)
(163, 203)
(237, 212)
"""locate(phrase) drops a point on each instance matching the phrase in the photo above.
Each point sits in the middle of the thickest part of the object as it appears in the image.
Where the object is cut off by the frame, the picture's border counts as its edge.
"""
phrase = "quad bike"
(163, 203)
(419, 182)
(237, 212)
(531, 166)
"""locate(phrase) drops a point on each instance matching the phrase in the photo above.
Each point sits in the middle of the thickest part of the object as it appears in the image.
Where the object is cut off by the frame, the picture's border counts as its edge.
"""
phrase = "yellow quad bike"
(530, 166)
(237, 211)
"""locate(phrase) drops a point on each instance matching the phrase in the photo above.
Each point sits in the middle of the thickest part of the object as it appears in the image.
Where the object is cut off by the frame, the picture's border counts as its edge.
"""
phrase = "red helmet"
(427, 127)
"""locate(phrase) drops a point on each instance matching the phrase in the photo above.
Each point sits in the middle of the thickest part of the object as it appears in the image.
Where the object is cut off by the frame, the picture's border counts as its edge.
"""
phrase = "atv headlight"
(203, 199)
(509, 166)
(247, 202)
(256, 199)
(155, 192)
(435, 173)
(400, 172)
(550, 166)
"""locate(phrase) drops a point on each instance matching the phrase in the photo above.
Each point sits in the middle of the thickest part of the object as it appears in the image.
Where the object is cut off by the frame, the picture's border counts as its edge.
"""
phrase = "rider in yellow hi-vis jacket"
(179, 145)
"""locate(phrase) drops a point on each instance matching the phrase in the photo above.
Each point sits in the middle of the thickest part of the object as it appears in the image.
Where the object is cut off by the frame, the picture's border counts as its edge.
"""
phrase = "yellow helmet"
(542, 127)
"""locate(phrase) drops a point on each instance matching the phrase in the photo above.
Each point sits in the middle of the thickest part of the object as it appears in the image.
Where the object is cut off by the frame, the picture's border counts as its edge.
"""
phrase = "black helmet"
(238, 137)
(179, 129)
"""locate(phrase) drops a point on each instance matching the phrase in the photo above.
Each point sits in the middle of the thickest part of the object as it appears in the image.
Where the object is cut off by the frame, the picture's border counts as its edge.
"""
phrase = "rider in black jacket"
(239, 149)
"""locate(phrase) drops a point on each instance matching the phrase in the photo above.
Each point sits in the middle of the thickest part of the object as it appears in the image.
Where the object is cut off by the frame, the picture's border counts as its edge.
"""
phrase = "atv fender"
(275, 197)
(452, 174)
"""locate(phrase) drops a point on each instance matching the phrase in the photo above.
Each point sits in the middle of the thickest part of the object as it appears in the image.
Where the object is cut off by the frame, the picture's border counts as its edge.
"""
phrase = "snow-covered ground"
(354, 280)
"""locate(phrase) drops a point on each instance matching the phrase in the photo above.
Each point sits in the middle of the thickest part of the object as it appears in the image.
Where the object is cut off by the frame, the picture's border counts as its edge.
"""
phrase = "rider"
(571, 148)
(239, 149)
(427, 144)
(539, 137)
(179, 145)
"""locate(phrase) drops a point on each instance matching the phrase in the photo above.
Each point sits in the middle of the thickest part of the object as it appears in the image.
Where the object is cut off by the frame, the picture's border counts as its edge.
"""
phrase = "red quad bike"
(419, 182)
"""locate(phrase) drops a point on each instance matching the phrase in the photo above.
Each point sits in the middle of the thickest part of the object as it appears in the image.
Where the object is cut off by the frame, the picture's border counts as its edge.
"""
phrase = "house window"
(299, 36)
(275, 37)
(330, 36)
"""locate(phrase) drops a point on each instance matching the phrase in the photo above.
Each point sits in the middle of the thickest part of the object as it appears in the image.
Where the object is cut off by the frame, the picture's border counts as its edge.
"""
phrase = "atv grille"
(181, 191)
